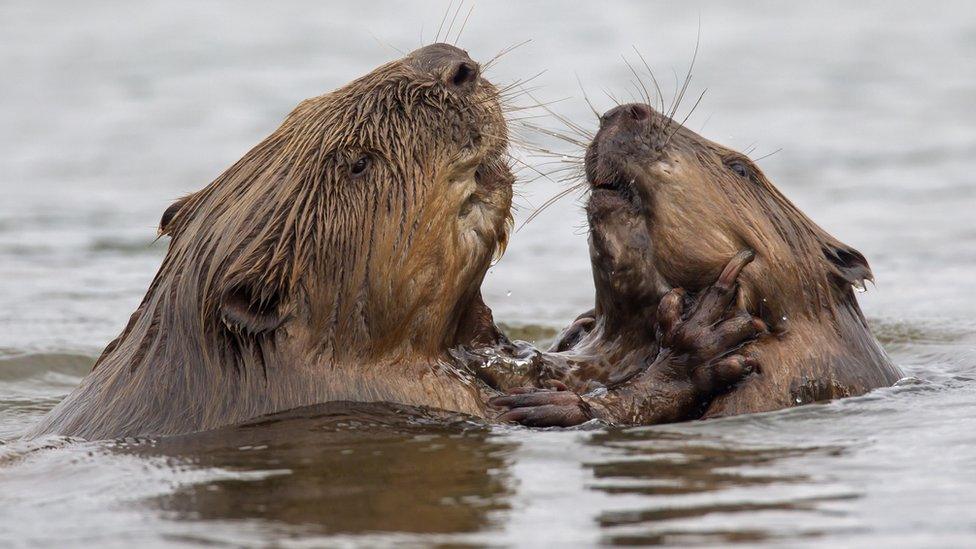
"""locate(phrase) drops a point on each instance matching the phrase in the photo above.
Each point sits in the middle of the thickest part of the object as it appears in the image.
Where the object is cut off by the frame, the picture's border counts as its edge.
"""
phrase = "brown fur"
(698, 212)
(291, 281)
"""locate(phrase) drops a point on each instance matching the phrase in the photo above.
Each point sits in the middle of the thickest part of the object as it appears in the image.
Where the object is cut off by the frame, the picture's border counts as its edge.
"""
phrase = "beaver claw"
(698, 340)
(705, 337)
(533, 407)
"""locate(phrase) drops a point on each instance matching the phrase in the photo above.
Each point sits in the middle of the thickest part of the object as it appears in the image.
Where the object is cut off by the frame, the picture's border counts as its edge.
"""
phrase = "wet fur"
(290, 282)
(698, 213)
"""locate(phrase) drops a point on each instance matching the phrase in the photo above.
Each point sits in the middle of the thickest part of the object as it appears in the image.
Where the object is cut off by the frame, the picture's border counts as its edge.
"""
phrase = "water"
(111, 110)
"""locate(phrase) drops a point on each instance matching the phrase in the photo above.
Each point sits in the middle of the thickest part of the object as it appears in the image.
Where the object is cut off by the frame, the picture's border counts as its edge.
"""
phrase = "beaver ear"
(246, 309)
(849, 263)
(166, 222)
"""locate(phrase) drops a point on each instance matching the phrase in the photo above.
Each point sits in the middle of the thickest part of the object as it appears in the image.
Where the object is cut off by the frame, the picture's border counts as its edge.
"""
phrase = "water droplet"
(508, 294)
(859, 286)
(784, 318)
(798, 401)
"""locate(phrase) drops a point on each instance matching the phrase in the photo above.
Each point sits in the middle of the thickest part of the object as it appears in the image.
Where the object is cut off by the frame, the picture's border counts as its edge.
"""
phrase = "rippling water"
(109, 111)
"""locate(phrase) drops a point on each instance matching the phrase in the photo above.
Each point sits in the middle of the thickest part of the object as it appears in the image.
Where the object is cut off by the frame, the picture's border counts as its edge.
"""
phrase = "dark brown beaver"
(698, 204)
(336, 260)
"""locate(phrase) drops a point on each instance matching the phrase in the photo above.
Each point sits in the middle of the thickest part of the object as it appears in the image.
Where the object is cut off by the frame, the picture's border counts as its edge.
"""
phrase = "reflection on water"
(669, 464)
(337, 469)
(345, 468)
(681, 479)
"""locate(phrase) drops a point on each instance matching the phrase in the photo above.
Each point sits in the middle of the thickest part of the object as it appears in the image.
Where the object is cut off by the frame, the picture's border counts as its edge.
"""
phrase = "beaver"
(335, 261)
(667, 209)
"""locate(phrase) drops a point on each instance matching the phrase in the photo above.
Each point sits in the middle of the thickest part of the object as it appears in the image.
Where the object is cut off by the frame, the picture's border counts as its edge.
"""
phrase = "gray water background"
(111, 110)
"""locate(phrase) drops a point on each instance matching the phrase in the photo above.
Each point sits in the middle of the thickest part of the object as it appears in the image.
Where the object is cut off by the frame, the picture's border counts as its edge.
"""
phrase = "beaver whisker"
(572, 177)
(586, 97)
(657, 86)
(554, 133)
(437, 36)
(463, 25)
(528, 166)
(385, 43)
(447, 35)
(555, 198)
(563, 165)
(579, 130)
(634, 87)
(578, 175)
(544, 152)
(519, 83)
(647, 96)
(611, 96)
(488, 64)
(680, 95)
(685, 119)
(513, 108)
(530, 117)
(767, 155)
(559, 158)
(687, 82)
(512, 138)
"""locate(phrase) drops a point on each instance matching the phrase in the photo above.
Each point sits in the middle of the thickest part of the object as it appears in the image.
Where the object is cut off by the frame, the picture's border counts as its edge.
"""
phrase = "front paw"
(717, 376)
(534, 407)
(702, 337)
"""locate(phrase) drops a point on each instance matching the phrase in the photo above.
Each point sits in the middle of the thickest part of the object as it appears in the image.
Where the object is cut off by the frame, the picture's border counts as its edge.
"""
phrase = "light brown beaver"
(668, 208)
(339, 259)
(335, 261)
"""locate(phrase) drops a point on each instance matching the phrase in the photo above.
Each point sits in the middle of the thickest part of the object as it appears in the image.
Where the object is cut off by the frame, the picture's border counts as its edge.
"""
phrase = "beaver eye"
(739, 168)
(359, 166)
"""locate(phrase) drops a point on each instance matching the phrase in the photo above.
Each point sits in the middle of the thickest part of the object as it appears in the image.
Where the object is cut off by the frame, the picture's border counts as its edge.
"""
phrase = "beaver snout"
(626, 113)
(628, 137)
(449, 64)
(629, 129)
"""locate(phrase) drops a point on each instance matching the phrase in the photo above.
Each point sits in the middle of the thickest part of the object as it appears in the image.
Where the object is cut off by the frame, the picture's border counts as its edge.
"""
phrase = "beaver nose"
(448, 63)
(636, 112)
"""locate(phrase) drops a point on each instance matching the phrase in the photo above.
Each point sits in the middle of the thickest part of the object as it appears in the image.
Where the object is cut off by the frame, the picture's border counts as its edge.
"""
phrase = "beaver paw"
(534, 407)
(701, 339)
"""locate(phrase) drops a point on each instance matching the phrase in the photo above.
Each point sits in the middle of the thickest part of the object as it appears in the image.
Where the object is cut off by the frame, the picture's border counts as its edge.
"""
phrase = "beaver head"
(670, 208)
(361, 227)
